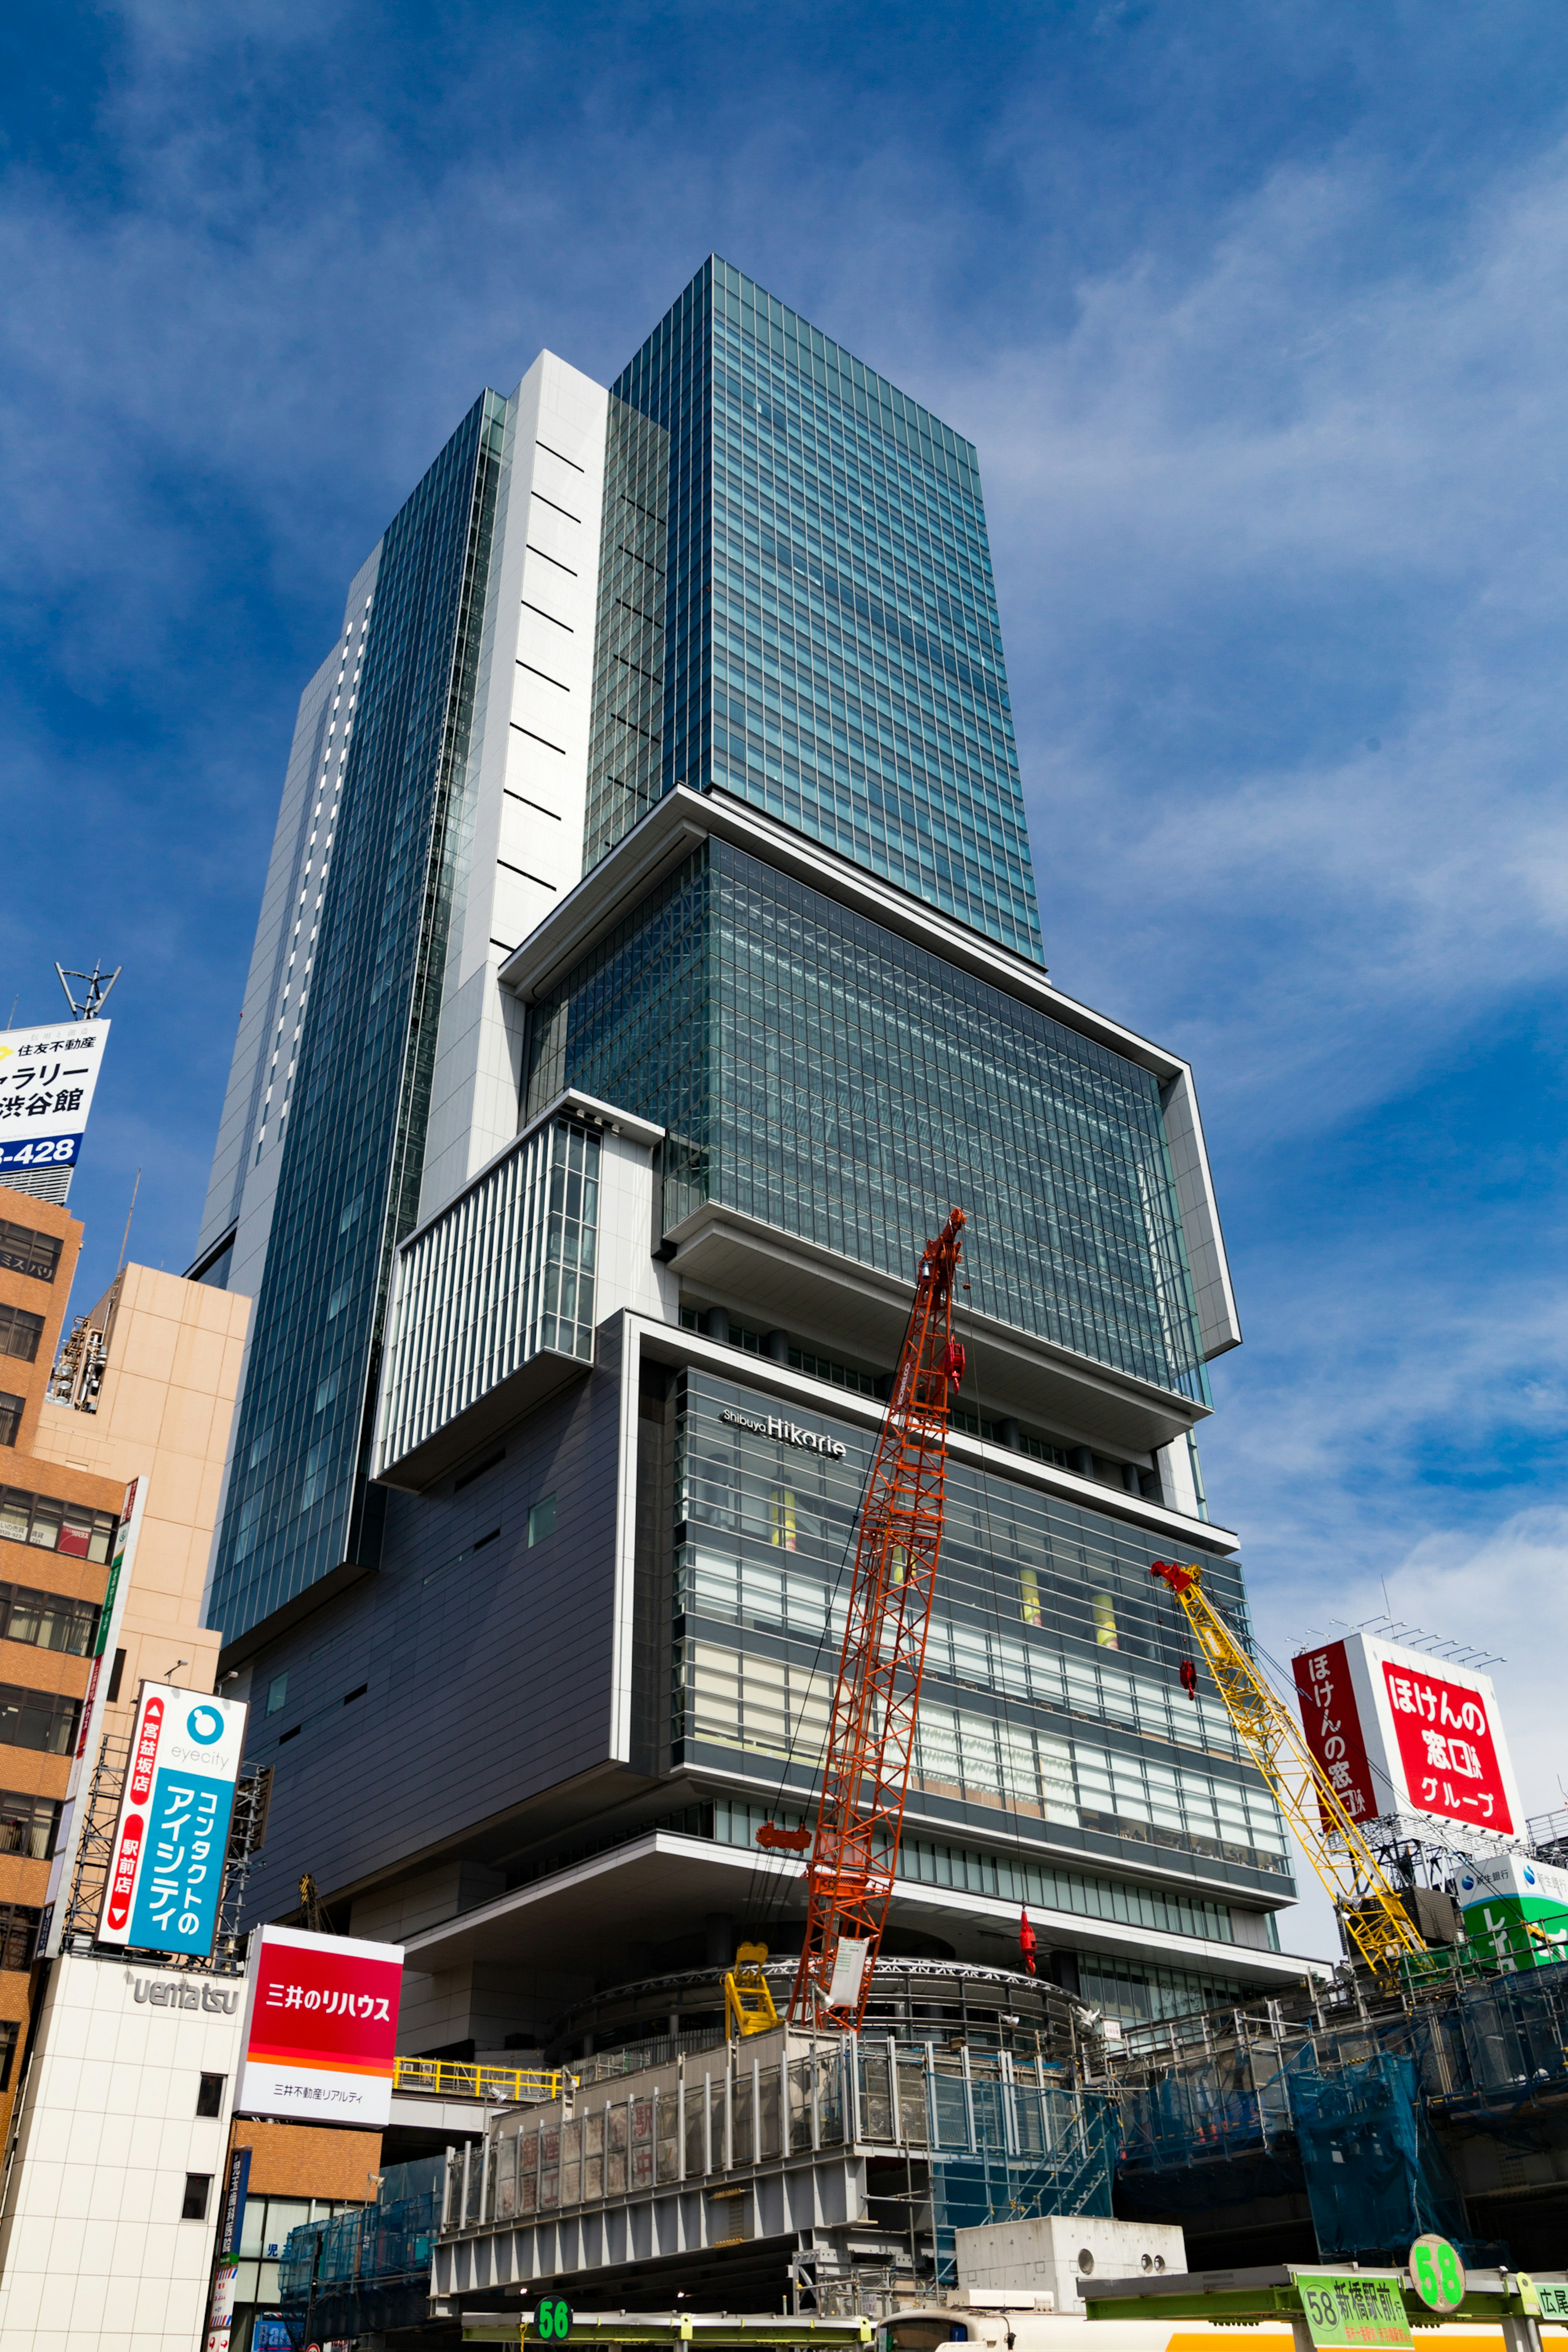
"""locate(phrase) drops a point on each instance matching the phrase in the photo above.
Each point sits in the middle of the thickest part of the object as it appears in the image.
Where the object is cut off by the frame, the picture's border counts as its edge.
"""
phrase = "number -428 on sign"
(550, 2321)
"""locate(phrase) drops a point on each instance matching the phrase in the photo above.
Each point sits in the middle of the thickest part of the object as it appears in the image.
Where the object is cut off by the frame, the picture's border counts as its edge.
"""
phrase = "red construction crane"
(871, 1746)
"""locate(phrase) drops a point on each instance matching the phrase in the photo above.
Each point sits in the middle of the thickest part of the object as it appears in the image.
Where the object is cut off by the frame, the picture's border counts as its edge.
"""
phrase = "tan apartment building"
(149, 1397)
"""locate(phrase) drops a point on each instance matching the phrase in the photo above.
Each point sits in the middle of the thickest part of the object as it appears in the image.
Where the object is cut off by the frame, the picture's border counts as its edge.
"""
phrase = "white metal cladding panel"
(507, 1269)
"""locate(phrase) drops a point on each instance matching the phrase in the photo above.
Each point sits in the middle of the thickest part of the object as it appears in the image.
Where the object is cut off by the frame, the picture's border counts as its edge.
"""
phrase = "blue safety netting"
(368, 2268)
(1375, 2176)
(996, 2183)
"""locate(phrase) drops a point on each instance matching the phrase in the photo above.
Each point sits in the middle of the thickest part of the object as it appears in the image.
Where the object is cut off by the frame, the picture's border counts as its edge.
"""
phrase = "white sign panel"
(320, 2027)
(166, 1873)
(47, 1080)
(1400, 1731)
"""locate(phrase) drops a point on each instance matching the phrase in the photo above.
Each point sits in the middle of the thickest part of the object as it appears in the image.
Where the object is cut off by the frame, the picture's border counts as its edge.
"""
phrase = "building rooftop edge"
(683, 817)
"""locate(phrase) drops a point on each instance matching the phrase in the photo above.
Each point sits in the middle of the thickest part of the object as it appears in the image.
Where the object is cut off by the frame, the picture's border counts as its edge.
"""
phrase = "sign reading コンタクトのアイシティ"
(320, 2027)
(165, 1871)
(47, 1078)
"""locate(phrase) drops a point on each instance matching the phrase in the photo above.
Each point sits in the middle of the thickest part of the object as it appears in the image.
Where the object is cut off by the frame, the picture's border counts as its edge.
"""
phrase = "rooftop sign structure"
(47, 1081)
(1398, 1731)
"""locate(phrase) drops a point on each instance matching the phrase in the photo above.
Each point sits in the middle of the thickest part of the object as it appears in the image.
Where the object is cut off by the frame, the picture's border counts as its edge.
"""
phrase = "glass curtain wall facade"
(832, 651)
(1050, 1698)
(352, 1150)
(828, 1077)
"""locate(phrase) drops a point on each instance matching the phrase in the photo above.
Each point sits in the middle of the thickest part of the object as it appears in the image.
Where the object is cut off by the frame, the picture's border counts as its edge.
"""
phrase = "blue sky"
(1257, 315)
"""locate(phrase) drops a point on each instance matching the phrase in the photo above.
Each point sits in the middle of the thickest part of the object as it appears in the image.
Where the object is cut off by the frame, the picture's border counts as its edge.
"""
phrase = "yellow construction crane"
(1375, 1920)
(748, 2003)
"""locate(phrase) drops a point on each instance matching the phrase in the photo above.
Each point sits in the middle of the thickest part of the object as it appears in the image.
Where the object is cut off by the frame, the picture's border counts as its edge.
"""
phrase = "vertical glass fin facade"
(351, 1155)
(830, 1077)
(832, 650)
(506, 1270)
(625, 751)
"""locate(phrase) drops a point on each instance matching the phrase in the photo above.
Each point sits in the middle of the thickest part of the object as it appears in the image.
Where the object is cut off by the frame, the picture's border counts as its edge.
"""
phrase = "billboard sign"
(1502, 1896)
(320, 2027)
(1397, 1732)
(47, 1081)
(111, 1617)
(165, 1876)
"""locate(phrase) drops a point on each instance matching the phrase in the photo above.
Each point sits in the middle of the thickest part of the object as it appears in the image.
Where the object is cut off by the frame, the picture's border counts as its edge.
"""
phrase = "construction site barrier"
(498, 2086)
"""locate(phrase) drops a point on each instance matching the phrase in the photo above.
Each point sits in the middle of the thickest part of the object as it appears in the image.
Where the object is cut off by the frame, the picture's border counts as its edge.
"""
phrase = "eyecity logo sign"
(786, 1433)
(166, 1877)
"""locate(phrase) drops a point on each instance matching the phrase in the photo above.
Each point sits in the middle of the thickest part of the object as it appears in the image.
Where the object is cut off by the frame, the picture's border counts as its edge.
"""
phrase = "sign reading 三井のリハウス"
(320, 2027)
(166, 1874)
(1355, 2308)
(47, 1078)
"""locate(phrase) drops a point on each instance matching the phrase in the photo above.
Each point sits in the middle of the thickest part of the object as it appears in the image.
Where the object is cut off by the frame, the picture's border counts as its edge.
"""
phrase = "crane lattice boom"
(870, 1744)
(1375, 1920)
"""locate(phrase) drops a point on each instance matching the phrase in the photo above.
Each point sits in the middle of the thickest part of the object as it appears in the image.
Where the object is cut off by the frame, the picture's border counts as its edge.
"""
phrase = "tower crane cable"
(870, 1744)
(1375, 1921)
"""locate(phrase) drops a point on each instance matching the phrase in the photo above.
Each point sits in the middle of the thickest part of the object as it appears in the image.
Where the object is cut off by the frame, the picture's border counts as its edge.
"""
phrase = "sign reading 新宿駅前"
(1356, 2309)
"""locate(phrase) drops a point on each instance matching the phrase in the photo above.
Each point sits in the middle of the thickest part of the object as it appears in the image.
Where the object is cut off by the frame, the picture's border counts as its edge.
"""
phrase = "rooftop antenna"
(97, 988)
(130, 1212)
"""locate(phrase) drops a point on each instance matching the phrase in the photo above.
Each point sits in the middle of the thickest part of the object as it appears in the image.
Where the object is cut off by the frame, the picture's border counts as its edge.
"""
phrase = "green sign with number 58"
(1354, 2311)
(1436, 2272)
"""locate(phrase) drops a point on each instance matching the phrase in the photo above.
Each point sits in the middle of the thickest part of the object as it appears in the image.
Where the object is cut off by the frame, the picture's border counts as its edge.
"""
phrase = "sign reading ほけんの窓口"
(1397, 1731)
(320, 2027)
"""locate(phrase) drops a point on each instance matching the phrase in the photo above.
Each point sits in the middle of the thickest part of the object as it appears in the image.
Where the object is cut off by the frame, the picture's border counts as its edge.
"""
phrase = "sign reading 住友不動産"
(320, 2027)
(166, 1874)
(47, 1078)
(1355, 2308)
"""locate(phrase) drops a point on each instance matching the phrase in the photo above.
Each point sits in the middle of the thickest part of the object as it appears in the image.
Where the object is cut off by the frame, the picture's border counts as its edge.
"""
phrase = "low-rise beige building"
(147, 1391)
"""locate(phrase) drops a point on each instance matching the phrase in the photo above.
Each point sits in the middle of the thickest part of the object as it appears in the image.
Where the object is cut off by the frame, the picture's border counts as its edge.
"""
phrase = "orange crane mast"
(871, 1737)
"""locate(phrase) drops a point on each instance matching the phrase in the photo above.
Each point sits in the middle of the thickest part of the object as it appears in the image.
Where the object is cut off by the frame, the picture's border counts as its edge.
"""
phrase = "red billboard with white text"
(320, 2027)
(1333, 1725)
(1400, 1732)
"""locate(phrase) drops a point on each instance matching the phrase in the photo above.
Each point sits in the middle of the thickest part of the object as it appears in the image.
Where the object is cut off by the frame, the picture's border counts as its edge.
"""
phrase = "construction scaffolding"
(1353, 2101)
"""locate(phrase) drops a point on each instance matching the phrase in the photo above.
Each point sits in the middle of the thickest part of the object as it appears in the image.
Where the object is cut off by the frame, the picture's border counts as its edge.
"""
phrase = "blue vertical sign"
(165, 1882)
(233, 2202)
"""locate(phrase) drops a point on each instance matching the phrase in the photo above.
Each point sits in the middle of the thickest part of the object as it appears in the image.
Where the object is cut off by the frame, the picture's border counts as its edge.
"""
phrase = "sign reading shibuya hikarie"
(166, 1873)
(1399, 1732)
(47, 1078)
(320, 2027)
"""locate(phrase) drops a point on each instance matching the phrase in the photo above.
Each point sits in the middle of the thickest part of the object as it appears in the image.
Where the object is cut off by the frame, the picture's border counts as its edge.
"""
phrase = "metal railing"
(501, 2086)
(1039, 2136)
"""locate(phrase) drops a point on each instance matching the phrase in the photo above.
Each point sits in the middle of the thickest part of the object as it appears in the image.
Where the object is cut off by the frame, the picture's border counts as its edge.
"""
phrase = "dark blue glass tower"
(350, 1139)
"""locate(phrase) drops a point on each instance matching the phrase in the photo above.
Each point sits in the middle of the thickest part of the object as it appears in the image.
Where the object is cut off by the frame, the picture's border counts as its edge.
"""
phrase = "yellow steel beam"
(1375, 1920)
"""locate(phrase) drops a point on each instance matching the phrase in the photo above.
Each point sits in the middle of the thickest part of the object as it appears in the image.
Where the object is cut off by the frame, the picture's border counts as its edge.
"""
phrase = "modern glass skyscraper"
(863, 696)
(643, 974)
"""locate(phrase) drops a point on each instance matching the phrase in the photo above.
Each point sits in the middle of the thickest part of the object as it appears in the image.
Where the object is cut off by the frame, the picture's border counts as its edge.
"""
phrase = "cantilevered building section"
(649, 961)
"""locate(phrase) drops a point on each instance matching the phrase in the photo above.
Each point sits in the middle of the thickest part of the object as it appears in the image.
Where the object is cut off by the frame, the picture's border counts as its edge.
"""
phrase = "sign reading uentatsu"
(787, 1432)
